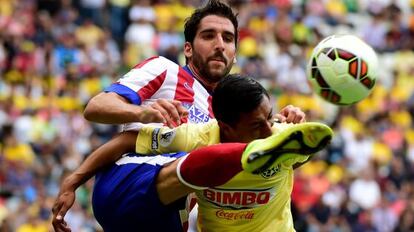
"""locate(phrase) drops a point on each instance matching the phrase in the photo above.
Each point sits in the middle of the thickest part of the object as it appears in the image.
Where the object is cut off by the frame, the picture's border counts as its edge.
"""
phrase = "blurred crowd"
(56, 54)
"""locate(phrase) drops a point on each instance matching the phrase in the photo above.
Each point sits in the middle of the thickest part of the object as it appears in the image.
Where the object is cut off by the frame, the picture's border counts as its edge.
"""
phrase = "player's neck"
(208, 85)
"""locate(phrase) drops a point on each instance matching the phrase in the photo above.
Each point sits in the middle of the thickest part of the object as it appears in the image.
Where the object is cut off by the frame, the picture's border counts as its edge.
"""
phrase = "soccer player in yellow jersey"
(229, 199)
(240, 187)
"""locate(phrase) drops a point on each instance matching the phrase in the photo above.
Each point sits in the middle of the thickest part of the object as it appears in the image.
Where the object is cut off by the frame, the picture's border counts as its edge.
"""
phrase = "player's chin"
(217, 75)
(219, 70)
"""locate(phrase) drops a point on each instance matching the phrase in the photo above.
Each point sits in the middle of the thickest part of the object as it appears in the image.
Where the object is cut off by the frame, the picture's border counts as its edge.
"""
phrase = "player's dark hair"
(213, 7)
(236, 94)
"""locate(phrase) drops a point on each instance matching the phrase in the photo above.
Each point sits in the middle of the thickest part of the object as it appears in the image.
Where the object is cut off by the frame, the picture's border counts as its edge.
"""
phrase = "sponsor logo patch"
(187, 86)
(166, 138)
(237, 199)
(154, 140)
(234, 215)
(195, 115)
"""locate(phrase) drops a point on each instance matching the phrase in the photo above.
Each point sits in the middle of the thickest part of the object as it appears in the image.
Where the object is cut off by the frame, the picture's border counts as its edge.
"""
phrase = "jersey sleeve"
(141, 82)
(161, 140)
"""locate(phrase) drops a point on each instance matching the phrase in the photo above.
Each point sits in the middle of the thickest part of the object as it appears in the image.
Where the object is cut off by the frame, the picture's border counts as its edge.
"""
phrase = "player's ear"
(188, 50)
(226, 130)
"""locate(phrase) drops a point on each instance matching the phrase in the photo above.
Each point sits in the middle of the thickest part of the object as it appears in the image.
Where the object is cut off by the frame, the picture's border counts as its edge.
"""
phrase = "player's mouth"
(218, 60)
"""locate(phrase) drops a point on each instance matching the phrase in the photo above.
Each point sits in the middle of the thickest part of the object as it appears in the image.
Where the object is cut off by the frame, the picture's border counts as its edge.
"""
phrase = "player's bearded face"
(213, 67)
(213, 48)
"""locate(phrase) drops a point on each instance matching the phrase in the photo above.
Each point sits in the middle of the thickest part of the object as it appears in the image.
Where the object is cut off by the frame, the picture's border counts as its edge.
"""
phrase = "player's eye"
(256, 126)
(228, 38)
(271, 119)
(208, 36)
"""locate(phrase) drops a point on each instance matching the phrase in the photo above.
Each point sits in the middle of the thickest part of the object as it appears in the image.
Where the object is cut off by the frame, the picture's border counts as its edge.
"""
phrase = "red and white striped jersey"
(160, 78)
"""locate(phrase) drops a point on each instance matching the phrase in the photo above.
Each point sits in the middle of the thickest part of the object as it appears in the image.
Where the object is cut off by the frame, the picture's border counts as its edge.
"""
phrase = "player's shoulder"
(208, 132)
(205, 131)
(197, 127)
(167, 61)
(157, 61)
(212, 124)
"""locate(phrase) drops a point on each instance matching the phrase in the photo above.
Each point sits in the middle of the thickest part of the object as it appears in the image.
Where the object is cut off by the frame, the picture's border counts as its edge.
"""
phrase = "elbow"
(91, 110)
(104, 108)
(87, 114)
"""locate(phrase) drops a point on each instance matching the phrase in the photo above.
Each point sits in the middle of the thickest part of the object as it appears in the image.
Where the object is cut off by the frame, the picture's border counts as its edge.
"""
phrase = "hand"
(291, 114)
(165, 111)
(63, 203)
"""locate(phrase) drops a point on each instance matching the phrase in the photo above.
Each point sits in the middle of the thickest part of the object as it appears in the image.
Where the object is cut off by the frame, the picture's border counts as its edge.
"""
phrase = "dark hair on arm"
(236, 94)
(213, 7)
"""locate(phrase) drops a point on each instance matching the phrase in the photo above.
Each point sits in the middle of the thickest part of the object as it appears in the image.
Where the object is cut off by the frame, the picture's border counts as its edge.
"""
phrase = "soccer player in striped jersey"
(137, 191)
(160, 91)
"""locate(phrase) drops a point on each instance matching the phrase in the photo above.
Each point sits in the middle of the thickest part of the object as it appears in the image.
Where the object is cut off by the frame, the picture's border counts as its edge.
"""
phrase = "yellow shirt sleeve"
(187, 137)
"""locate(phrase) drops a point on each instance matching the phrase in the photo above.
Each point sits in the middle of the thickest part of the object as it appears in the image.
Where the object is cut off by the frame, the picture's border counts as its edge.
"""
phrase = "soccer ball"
(342, 69)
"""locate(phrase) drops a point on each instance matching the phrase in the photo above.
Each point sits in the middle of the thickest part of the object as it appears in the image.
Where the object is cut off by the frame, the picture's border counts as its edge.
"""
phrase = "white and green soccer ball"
(343, 69)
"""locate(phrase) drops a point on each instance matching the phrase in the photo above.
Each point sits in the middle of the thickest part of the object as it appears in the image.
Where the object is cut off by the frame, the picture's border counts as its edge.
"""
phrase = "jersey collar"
(188, 70)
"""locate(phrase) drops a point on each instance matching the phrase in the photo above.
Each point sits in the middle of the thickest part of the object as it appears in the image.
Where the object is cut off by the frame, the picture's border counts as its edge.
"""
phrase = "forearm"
(110, 108)
(169, 187)
(150, 140)
(106, 154)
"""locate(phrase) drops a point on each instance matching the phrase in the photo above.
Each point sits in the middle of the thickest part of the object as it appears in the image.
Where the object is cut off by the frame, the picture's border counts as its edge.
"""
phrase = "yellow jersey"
(247, 202)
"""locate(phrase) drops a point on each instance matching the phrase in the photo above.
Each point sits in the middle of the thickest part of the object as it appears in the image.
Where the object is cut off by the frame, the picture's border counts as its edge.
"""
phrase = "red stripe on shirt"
(144, 62)
(184, 90)
(210, 108)
(149, 89)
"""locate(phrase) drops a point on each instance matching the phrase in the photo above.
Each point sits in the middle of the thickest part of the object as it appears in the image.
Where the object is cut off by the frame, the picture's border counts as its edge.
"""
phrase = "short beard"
(204, 70)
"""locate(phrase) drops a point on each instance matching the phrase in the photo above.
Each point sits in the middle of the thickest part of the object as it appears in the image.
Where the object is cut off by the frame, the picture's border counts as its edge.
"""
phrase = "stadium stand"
(55, 55)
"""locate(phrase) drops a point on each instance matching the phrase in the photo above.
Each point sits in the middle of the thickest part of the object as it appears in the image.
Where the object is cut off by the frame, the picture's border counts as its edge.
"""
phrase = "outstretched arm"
(111, 152)
(112, 108)
(161, 140)
(103, 156)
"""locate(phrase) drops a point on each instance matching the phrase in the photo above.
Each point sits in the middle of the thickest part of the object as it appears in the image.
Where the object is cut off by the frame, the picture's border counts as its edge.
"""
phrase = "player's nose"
(267, 130)
(219, 43)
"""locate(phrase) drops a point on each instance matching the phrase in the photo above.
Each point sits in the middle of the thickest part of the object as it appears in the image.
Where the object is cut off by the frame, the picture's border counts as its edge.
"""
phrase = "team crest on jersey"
(166, 138)
(270, 172)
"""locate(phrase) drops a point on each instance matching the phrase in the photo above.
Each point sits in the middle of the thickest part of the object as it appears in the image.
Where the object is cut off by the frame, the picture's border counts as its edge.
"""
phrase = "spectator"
(365, 191)
(52, 60)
